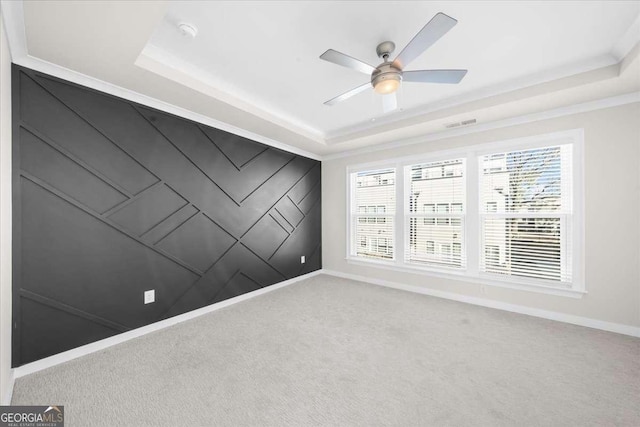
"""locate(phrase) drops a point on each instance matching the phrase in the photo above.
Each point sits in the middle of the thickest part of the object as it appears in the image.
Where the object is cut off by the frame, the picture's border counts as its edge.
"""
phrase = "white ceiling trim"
(13, 17)
(159, 61)
(154, 59)
(111, 89)
(342, 135)
(584, 107)
(220, 89)
(629, 39)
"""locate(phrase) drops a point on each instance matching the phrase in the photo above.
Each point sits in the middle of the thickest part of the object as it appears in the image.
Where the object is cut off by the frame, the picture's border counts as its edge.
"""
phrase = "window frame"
(442, 219)
(472, 239)
(352, 216)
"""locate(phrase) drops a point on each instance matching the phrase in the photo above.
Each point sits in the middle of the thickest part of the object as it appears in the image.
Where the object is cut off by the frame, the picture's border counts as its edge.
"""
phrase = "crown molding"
(13, 16)
(124, 93)
(163, 63)
(584, 107)
(13, 19)
(629, 39)
(347, 133)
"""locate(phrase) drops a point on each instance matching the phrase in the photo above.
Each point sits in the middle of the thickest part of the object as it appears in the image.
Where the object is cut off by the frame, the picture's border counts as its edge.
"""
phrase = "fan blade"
(347, 61)
(348, 94)
(389, 102)
(428, 35)
(434, 76)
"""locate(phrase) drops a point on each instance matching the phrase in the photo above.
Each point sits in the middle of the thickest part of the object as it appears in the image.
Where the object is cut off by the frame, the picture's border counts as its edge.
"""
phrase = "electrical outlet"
(150, 296)
(302, 259)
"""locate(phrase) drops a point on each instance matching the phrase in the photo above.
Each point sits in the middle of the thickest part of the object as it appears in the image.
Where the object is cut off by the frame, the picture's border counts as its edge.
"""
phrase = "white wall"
(6, 373)
(612, 216)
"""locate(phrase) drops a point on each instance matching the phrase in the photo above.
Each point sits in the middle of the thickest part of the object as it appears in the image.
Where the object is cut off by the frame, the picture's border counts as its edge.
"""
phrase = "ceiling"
(255, 65)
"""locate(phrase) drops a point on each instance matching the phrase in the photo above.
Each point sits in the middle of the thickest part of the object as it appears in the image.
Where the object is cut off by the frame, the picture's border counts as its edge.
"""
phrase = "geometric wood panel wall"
(112, 198)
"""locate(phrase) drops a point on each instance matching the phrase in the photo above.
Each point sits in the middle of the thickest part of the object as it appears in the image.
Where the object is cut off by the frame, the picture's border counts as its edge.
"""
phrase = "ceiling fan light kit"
(387, 77)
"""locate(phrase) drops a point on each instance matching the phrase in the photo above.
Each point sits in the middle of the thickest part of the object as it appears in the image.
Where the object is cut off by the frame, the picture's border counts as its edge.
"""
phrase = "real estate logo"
(31, 416)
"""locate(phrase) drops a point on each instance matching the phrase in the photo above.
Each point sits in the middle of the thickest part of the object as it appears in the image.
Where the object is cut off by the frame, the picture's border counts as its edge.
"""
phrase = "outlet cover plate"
(150, 296)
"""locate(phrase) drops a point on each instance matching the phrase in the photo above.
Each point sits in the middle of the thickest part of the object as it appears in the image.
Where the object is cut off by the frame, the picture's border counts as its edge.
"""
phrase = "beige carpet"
(329, 351)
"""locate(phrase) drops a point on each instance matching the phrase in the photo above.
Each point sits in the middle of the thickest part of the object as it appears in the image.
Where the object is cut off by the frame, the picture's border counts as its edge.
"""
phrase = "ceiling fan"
(386, 77)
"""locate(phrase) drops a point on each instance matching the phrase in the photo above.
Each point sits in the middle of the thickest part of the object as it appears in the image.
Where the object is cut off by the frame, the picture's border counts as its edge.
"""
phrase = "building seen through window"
(436, 208)
(375, 209)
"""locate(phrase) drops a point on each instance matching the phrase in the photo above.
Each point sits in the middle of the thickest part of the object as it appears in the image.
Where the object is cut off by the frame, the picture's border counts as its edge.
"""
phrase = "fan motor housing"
(385, 71)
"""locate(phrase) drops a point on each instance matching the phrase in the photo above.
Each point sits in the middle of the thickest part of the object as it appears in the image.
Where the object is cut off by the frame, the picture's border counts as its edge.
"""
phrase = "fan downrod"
(385, 49)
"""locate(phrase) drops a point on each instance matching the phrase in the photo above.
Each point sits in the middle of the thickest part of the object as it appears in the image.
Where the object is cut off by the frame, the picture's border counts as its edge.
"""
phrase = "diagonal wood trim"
(131, 200)
(106, 221)
(284, 276)
(313, 187)
(220, 150)
(317, 184)
(282, 243)
(143, 235)
(225, 154)
(274, 204)
(72, 310)
(296, 206)
(57, 202)
(84, 119)
(225, 285)
(185, 156)
(267, 180)
(44, 138)
(196, 282)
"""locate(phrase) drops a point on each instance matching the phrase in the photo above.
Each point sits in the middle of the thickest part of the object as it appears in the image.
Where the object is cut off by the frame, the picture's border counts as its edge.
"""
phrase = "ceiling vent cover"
(461, 123)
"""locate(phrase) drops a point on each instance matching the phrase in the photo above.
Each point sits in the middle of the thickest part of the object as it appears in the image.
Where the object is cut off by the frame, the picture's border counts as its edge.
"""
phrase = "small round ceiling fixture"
(188, 30)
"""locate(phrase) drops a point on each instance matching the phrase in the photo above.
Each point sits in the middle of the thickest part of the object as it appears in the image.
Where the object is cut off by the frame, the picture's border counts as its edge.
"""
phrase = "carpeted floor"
(328, 351)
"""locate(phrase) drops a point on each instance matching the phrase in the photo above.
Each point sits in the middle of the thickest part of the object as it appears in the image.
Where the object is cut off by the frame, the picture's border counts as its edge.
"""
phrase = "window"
(443, 208)
(502, 213)
(532, 227)
(429, 209)
(381, 209)
(457, 250)
(372, 213)
(442, 200)
(491, 256)
(456, 208)
(491, 207)
(430, 246)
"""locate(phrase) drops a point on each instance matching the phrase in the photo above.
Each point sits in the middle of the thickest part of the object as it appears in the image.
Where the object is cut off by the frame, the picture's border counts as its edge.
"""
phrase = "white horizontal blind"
(373, 208)
(435, 214)
(526, 213)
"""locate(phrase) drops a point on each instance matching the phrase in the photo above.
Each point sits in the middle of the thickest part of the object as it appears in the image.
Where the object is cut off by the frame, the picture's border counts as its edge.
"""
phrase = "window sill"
(464, 277)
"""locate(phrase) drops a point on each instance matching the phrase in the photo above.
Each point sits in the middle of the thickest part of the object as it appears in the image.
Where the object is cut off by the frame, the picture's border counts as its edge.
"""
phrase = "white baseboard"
(6, 399)
(536, 312)
(68, 355)
(126, 336)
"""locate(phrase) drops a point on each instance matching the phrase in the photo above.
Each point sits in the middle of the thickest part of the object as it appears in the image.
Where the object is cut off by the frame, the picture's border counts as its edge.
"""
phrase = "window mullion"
(472, 223)
(513, 217)
(400, 216)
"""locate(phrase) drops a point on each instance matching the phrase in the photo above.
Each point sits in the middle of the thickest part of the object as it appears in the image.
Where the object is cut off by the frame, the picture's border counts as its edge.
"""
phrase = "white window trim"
(406, 215)
(575, 289)
(351, 243)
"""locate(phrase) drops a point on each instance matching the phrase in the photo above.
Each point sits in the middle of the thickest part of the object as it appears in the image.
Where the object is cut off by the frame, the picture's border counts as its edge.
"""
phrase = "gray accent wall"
(112, 198)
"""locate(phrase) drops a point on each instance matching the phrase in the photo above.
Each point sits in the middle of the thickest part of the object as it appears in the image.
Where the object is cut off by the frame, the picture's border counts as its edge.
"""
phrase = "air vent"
(462, 123)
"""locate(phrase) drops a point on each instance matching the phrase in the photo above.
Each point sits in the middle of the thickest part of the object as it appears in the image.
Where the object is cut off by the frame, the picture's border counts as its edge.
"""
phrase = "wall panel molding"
(115, 198)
